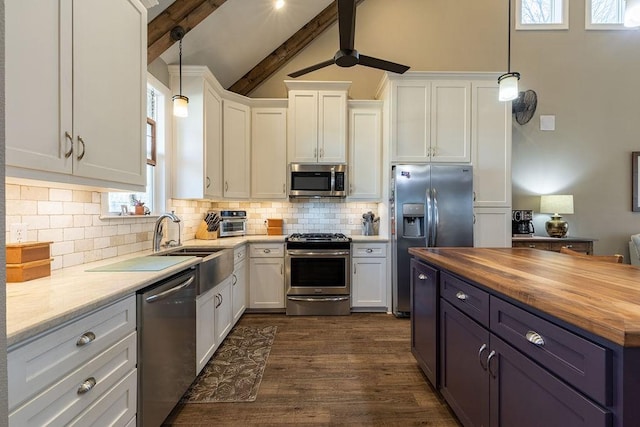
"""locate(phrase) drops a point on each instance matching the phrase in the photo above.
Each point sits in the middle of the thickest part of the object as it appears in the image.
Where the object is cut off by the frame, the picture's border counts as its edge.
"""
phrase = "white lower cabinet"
(223, 310)
(266, 276)
(239, 283)
(369, 276)
(492, 228)
(83, 373)
(205, 328)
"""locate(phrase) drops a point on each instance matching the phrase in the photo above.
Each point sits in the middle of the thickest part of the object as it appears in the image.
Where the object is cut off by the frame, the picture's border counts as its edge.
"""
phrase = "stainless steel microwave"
(317, 180)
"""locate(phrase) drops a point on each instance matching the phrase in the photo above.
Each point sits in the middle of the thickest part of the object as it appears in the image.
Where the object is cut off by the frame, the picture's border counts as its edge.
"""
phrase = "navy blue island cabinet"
(498, 362)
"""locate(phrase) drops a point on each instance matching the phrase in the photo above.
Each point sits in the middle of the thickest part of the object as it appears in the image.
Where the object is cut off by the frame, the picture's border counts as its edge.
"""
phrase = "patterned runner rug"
(235, 371)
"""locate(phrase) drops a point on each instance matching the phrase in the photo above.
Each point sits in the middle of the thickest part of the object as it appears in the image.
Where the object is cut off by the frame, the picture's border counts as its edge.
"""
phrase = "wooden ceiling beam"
(287, 50)
(186, 13)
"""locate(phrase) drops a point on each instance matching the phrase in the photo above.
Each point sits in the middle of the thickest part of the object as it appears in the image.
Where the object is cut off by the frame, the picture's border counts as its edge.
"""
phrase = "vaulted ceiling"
(242, 49)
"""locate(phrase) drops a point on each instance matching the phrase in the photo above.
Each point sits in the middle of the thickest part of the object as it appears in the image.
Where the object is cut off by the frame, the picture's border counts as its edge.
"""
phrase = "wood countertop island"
(526, 337)
(599, 297)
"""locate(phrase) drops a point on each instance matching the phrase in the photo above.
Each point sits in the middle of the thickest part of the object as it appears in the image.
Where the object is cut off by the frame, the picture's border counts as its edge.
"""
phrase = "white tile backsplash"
(71, 220)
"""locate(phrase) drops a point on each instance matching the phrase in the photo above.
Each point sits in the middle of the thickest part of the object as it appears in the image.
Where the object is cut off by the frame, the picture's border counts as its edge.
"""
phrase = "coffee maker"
(522, 223)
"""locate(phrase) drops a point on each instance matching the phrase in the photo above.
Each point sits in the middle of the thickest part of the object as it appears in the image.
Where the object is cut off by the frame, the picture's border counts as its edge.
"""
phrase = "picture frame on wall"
(635, 184)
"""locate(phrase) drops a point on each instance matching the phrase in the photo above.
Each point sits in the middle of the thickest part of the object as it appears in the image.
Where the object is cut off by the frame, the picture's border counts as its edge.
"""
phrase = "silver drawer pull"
(532, 246)
(422, 276)
(535, 338)
(87, 385)
(85, 339)
(369, 250)
(491, 356)
(461, 296)
(266, 251)
(482, 350)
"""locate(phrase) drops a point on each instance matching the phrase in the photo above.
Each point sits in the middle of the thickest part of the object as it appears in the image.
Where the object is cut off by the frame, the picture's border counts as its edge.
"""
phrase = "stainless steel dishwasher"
(166, 345)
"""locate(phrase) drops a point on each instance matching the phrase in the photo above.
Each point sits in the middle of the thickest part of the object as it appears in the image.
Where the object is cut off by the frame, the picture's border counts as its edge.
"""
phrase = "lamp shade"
(557, 204)
(632, 13)
(508, 86)
(180, 104)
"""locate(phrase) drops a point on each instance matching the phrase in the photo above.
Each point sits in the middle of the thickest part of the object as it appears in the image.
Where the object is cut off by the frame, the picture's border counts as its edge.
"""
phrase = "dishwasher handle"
(171, 291)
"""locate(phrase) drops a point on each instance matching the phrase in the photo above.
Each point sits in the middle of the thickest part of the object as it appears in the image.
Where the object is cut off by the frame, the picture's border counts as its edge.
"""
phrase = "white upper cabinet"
(317, 122)
(491, 142)
(430, 121)
(75, 91)
(236, 149)
(198, 137)
(365, 150)
(268, 153)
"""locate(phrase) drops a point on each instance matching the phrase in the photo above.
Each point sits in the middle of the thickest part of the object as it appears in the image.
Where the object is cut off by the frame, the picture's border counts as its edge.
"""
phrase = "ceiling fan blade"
(347, 23)
(369, 61)
(311, 68)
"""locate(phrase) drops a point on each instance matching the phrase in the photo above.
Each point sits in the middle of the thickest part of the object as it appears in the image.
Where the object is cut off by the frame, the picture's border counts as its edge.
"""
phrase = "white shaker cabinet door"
(236, 130)
(109, 87)
(450, 121)
(492, 228)
(365, 153)
(269, 153)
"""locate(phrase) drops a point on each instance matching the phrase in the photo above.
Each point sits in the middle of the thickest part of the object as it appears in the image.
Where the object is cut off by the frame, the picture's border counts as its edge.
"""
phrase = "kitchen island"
(528, 337)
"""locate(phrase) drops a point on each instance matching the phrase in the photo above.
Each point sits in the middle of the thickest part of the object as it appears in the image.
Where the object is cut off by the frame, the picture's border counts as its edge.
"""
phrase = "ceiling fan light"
(632, 13)
(180, 104)
(508, 86)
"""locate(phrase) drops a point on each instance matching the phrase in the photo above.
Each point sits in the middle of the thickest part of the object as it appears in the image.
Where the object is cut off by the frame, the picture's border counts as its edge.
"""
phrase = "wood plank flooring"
(332, 370)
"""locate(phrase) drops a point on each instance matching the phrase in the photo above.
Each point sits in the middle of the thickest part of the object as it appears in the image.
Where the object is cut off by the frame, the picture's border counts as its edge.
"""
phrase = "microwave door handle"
(333, 181)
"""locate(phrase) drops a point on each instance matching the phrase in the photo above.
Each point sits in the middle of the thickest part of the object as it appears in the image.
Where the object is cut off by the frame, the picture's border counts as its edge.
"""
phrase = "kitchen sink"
(216, 265)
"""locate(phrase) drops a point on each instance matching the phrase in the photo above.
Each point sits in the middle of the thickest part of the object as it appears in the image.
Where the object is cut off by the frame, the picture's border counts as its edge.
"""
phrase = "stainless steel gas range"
(318, 275)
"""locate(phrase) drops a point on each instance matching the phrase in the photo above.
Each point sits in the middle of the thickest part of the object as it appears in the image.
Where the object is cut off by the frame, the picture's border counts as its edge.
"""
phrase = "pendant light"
(508, 82)
(632, 13)
(180, 101)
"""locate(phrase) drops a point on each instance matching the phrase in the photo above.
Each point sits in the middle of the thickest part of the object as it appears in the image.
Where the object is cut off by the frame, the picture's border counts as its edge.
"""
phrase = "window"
(605, 15)
(154, 197)
(542, 14)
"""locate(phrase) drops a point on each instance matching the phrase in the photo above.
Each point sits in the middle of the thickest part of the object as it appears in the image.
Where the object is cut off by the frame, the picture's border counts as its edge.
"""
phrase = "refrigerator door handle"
(436, 220)
(427, 226)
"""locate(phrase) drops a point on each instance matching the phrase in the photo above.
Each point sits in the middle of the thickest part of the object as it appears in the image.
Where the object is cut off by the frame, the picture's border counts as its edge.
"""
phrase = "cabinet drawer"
(470, 300)
(266, 250)
(239, 254)
(580, 362)
(61, 403)
(41, 362)
(378, 250)
(576, 246)
(545, 246)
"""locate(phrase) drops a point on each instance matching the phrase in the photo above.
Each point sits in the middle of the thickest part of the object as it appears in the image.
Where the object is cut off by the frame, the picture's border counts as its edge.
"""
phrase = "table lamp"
(556, 204)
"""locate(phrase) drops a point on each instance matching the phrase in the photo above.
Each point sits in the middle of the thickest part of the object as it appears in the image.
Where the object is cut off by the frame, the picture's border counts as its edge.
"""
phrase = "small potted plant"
(137, 204)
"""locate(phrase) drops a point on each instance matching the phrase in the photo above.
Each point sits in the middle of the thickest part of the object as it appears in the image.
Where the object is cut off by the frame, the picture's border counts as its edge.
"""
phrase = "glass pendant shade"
(180, 104)
(508, 86)
(632, 13)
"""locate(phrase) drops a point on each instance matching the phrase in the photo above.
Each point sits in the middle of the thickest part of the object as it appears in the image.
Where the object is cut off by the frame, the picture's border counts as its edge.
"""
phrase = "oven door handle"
(302, 252)
(319, 299)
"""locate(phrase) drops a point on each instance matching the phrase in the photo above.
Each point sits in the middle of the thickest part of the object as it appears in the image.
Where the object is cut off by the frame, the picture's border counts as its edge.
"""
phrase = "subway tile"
(74, 233)
(84, 196)
(36, 222)
(93, 255)
(49, 208)
(71, 208)
(34, 193)
(82, 220)
(22, 207)
(56, 263)
(101, 242)
(110, 252)
(61, 248)
(109, 230)
(91, 208)
(124, 229)
(83, 245)
(60, 195)
(12, 192)
(116, 241)
(50, 235)
(70, 260)
(92, 232)
(61, 221)
(95, 197)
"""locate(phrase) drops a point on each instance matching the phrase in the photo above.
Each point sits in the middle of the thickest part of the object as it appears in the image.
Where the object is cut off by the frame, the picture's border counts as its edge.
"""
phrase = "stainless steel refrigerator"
(431, 205)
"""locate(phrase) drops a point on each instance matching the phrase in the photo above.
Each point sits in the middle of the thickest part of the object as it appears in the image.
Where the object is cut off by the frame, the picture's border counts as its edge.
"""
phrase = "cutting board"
(145, 263)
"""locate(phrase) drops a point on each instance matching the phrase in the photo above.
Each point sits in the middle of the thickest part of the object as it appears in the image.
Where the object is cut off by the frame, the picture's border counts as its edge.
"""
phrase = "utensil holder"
(203, 234)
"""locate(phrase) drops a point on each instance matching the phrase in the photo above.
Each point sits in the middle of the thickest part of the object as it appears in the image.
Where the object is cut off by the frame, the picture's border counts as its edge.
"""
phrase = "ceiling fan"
(347, 56)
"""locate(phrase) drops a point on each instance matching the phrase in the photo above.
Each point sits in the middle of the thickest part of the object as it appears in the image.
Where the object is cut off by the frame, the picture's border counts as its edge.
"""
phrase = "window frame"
(163, 143)
(588, 25)
(563, 25)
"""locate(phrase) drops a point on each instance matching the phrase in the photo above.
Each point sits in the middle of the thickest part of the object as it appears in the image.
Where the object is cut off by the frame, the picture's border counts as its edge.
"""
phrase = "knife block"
(203, 234)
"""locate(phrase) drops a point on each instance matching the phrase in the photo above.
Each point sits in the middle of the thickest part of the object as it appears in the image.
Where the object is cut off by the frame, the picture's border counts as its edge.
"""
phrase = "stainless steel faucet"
(157, 229)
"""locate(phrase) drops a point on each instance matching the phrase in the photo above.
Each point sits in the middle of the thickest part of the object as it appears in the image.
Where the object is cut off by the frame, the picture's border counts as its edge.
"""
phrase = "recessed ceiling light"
(279, 4)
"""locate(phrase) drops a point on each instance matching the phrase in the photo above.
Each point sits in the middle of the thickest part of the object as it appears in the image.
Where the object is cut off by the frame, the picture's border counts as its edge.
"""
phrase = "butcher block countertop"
(599, 297)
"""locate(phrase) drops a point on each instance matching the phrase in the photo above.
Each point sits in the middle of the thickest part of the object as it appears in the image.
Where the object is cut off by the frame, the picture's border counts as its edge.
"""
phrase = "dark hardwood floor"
(333, 370)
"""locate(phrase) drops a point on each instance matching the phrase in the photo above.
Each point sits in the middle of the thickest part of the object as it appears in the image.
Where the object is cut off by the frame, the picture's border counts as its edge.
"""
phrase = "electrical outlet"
(18, 232)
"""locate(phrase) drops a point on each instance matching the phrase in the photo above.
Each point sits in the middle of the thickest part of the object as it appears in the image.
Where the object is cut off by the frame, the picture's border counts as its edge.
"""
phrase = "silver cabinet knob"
(461, 296)
(266, 251)
(535, 338)
(87, 385)
(422, 276)
(85, 339)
